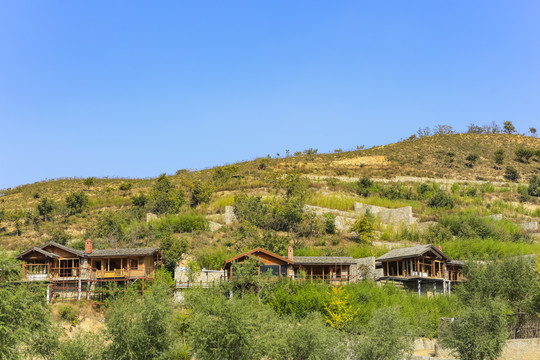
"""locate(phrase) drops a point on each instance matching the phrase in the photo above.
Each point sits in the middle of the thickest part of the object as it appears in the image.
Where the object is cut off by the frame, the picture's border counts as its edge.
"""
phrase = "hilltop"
(481, 188)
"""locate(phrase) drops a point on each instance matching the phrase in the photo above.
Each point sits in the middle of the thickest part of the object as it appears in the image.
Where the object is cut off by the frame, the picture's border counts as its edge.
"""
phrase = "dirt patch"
(362, 161)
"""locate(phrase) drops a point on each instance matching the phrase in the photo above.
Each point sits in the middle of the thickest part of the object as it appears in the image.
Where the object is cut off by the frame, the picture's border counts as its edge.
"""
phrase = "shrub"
(441, 200)
(126, 186)
(363, 186)
(511, 173)
(172, 250)
(329, 223)
(181, 223)
(83, 346)
(68, 313)
(140, 200)
(471, 160)
(311, 225)
(499, 156)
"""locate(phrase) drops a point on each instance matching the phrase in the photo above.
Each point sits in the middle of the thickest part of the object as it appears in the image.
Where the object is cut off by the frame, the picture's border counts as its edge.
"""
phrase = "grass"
(487, 249)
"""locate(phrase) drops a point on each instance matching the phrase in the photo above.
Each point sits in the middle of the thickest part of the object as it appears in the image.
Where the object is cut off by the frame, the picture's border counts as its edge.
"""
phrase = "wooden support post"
(79, 290)
(419, 288)
(323, 272)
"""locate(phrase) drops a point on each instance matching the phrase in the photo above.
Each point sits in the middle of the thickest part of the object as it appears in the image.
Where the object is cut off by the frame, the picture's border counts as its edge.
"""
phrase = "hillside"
(111, 217)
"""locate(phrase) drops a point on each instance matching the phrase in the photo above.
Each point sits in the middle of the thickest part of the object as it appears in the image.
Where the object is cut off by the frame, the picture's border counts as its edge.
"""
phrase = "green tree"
(139, 200)
(532, 131)
(534, 186)
(511, 173)
(45, 208)
(363, 186)
(524, 154)
(479, 333)
(201, 193)
(388, 336)
(172, 250)
(364, 229)
(141, 328)
(164, 198)
(499, 156)
(89, 181)
(76, 202)
(25, 323)
(508, 127)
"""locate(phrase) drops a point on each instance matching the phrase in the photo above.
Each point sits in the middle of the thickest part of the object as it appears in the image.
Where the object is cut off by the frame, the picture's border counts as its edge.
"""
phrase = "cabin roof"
(39, 250)
(256, 250)
(323, 260)
(413, 251)
(63, 247)
(123, 252)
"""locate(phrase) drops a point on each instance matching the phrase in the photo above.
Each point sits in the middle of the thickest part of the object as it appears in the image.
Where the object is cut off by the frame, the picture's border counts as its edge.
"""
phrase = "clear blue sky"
(138, 88)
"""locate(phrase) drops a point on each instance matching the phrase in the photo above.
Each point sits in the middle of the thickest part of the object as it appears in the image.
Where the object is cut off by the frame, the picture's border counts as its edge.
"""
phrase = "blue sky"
(135, 89)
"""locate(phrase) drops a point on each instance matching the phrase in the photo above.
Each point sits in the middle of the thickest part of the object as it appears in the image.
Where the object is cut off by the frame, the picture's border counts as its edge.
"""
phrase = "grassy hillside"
(112, 218)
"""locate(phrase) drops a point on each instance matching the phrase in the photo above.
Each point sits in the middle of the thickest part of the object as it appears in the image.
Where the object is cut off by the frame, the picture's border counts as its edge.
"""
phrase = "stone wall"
(205, 278)
(364, 269)
(398, 216)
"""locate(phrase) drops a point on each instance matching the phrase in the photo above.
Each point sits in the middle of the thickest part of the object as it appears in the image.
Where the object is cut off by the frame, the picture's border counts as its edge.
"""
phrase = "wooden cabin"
(56, 262)
(422, 266)
(333, 269)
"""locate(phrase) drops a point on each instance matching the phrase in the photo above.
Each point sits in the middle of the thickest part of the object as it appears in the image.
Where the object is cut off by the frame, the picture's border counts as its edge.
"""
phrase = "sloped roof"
(251, 252)
(323, 260)
(39, 250)
(63, 247)
(412, 251)
(123, 252)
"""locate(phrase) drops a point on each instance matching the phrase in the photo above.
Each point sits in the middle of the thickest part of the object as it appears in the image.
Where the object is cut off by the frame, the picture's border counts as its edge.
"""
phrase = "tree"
(511, 173)
(499, 156)
(25, 323)
(164, 198)
(532, 131)
(534, 186)
(172, 250)
(388, 336)
(364, 229)
(201, 193)
(76, 202)
(443, 130)
(89, 181)
(338, 309)
(523, 154)
(508, 127)
(83, 346)
(471, 160)
(424, 132)
(141, 328)
(474, 129)
(45, 208)
(363, 186)
(479, 333)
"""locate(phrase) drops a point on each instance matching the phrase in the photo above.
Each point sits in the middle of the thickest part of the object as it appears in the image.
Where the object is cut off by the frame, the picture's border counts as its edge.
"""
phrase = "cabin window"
(270, 269)
(133, 264)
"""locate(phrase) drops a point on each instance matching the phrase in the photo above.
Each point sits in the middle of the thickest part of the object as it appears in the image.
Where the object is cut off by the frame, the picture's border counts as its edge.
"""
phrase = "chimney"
(290, 253)
(439, 247)
(88, 246)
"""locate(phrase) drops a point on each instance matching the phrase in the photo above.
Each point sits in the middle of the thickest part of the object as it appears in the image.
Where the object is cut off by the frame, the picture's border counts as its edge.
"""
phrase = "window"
(270, 269)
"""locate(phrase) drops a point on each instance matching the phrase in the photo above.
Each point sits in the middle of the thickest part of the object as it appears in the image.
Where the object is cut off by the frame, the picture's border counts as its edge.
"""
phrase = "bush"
(363, 186)
(511, 173)
(311, 225)
(471, 160)
(140, 200)
(499, 156)
(83, 346)
(172, 250)
(125, 186)
(68, 313)
(441, 200)
(181, 223)
(90, 181)
(329, 223)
